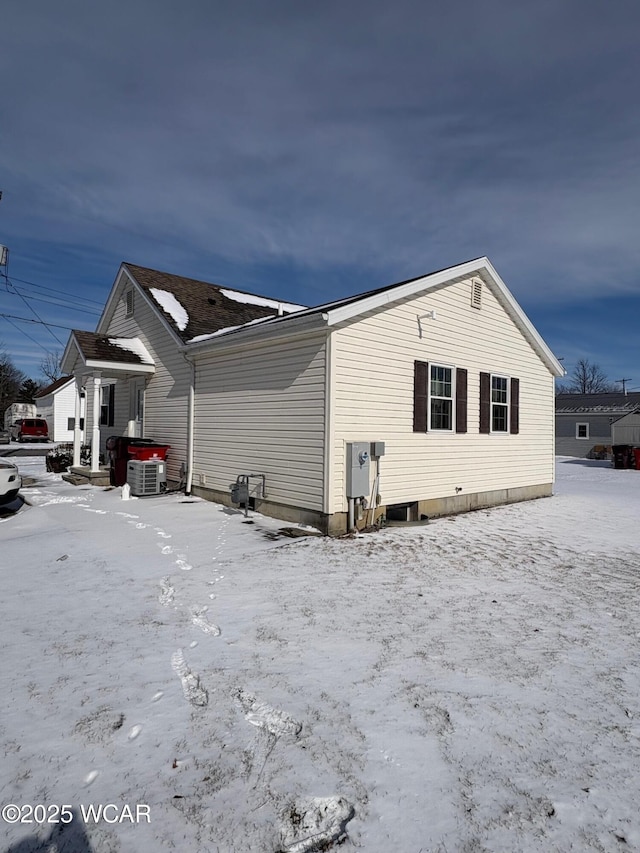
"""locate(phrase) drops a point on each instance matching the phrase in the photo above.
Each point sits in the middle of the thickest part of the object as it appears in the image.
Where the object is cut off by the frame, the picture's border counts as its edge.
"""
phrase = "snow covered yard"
(468, 685)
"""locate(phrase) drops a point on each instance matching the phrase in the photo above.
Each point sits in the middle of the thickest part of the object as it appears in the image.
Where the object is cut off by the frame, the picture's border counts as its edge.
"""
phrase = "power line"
(56, 290)
(35, 314)
(62, 305)
(37, 322)
(22, 331)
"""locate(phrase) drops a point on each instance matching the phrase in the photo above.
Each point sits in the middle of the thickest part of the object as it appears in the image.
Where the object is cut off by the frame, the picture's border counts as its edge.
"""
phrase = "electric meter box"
(358, 463)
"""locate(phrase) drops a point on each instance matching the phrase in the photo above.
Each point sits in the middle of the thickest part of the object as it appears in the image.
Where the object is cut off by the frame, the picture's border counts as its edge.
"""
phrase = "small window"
(441, 398)
(71, 422)
(582, 430)
(129, 303)
(476, 294)
(106, 405)
(499, 404)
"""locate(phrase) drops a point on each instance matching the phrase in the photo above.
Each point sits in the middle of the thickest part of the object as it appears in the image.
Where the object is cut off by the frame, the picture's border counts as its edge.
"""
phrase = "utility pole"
(624, 385)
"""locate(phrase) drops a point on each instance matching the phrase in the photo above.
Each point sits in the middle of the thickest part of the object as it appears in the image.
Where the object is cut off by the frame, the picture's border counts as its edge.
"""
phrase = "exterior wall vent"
(476, 294)
(129, 302)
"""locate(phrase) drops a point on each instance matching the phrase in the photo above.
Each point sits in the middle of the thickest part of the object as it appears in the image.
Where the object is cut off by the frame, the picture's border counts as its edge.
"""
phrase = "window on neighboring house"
(439, 398)
(129, 302)
(582, 430)
(106, 405)
(499, 404)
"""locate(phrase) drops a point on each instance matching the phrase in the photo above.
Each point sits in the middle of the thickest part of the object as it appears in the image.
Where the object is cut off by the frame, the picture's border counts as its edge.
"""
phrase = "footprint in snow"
(193, 691)
(182, 564)
(157, 696)
(198, 619)
(314, 823)
(161, 532)
(165, 549)
(264, 716)
(166, 592)
(134, 732)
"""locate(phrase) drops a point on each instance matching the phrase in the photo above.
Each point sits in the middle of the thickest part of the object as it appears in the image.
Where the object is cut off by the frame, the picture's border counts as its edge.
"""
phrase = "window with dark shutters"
(461, 400)
(420, 397)
(485, 403)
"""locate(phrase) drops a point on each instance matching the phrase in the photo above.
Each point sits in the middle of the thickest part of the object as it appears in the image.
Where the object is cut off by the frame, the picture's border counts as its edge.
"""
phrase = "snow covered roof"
(193, 308)
(101, 351)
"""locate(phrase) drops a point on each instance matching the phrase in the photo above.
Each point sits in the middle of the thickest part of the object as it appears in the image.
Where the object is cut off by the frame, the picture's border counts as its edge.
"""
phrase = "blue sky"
(310, 151)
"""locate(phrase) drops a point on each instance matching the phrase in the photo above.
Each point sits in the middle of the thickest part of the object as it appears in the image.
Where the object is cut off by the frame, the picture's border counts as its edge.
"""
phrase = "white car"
(10, 481)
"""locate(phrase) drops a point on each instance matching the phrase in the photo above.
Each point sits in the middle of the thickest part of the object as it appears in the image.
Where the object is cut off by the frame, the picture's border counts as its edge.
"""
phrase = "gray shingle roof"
(609, 403)
(207, 307)
(53, 387)
(96, 347)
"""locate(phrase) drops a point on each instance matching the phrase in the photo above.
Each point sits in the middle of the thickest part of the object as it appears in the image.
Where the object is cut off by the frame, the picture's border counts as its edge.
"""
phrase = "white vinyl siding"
(372, 398)
(57, 408)
(261, 410)
(167, 390)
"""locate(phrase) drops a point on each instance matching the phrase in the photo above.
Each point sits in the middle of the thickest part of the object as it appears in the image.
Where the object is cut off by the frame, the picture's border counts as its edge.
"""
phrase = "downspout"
(191, 409)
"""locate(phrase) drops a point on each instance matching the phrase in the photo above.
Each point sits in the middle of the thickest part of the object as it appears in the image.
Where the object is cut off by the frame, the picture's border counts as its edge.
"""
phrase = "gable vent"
(476, 294)
(129, 303)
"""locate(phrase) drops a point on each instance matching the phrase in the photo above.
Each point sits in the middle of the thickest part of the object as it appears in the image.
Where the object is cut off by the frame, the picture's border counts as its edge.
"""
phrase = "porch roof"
(87, 352)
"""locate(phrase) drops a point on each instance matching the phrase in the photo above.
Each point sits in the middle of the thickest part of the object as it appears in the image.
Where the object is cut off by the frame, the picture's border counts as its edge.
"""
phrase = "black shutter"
(485, 403)
(420, 395)
(461, 400)
(514, 419)
(112, 389)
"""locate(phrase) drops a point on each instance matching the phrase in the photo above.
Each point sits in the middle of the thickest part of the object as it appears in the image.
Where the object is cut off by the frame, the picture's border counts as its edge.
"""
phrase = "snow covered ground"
(467, 685)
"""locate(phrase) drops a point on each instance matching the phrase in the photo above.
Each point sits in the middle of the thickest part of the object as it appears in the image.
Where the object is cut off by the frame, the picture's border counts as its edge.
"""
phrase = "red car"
(30, 429)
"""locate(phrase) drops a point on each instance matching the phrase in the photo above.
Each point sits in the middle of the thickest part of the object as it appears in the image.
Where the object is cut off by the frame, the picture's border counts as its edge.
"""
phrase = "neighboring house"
(583, 421)
(442, 380)
(626, 430)
(56, 404)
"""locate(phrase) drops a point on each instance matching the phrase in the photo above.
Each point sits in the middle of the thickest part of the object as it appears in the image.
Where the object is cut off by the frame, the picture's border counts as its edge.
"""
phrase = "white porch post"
(95, 433)
(77, 432)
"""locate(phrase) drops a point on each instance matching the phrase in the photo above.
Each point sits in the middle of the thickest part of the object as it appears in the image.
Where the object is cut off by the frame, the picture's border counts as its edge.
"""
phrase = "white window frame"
(431, 397)
(493, 403)
(582, 437)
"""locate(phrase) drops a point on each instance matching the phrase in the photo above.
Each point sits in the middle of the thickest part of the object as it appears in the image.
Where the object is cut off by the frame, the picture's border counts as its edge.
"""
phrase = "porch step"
(82, 476)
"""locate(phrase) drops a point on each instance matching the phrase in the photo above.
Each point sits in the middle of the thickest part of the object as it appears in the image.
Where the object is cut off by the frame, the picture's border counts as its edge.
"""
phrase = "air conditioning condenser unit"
(148, 477)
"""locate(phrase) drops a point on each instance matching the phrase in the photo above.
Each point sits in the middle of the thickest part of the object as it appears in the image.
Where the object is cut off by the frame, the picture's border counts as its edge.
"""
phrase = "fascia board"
(411, 288)
(481, 267)
(120, 366)
(116, 290)
(71, 344)
(524, 323)
(107, 311)
(289, 328)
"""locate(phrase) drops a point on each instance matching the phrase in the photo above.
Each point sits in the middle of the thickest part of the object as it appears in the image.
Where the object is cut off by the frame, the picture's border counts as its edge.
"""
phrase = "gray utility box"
(358, 463)
(146, 477)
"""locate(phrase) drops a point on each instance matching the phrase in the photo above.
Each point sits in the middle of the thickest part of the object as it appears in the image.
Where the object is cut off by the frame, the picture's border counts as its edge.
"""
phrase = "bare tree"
(50, 366)
(10, 381)
(587, 378)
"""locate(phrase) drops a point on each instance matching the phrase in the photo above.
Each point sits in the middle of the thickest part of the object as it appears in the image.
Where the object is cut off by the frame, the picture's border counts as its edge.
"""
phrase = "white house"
(432, 396)
(56, 404)
(626, 430)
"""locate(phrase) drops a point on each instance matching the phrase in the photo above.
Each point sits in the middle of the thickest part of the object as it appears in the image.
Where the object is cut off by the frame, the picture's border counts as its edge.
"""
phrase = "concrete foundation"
(83, 474)
(336, 524)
